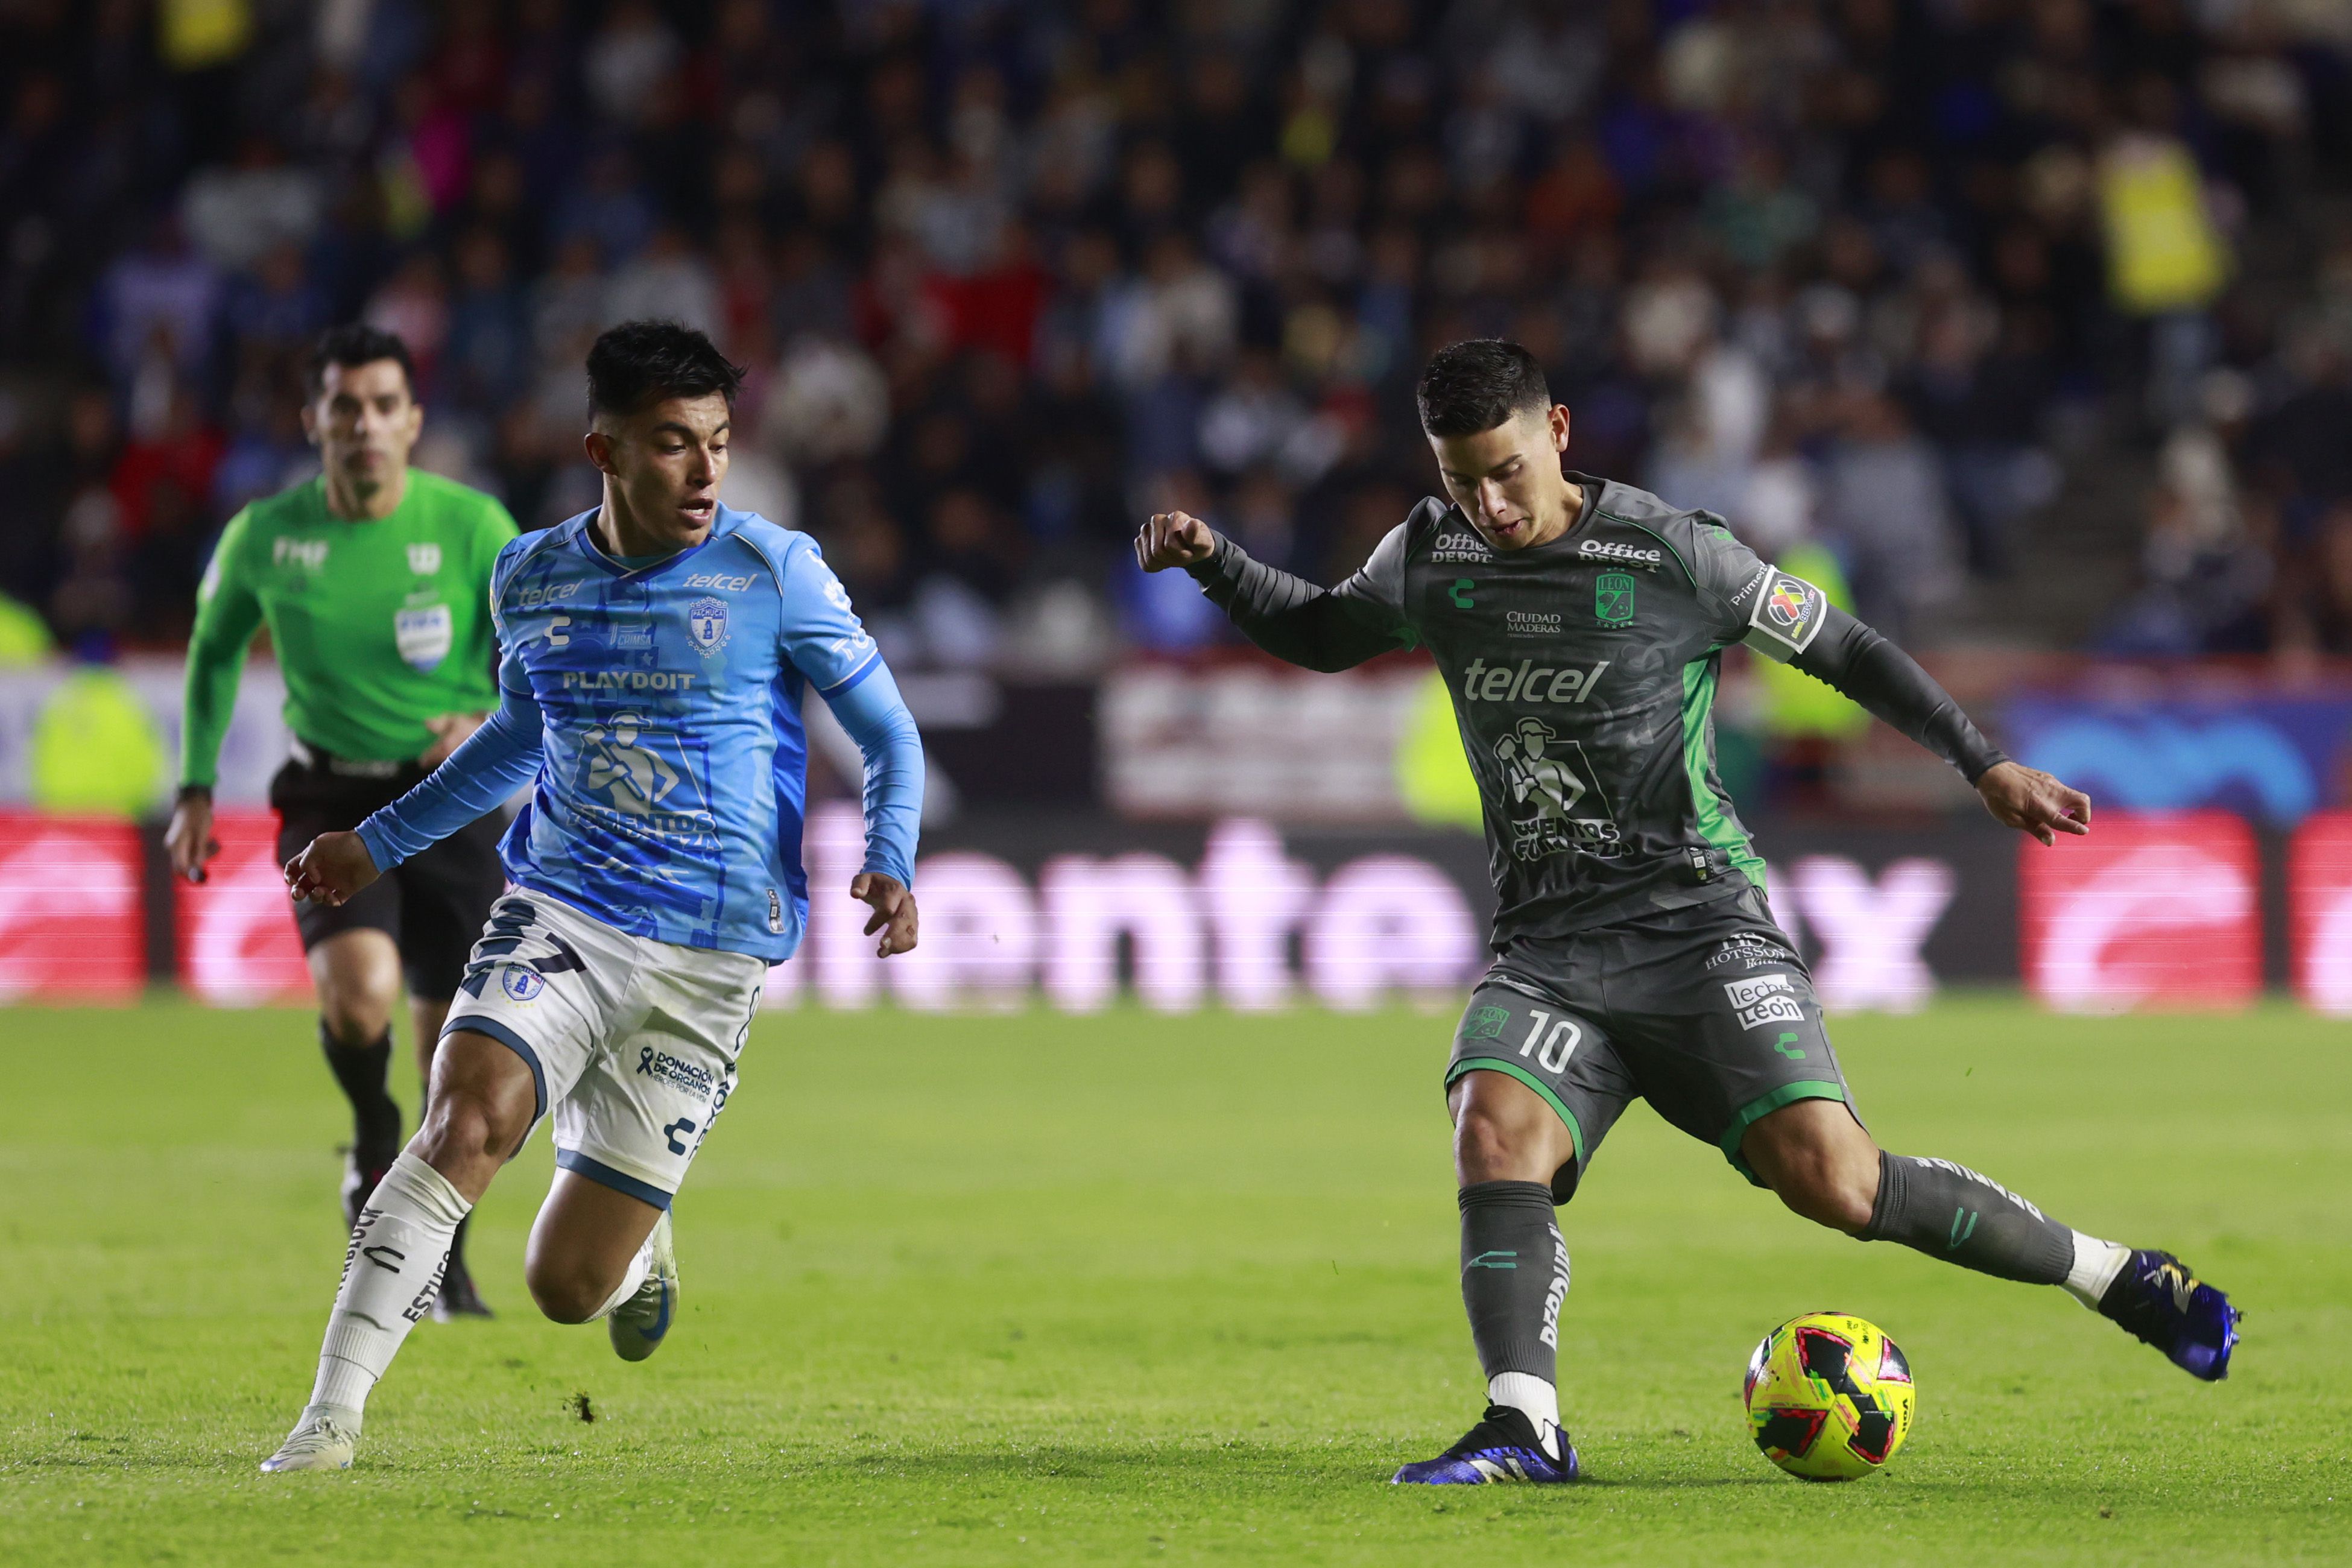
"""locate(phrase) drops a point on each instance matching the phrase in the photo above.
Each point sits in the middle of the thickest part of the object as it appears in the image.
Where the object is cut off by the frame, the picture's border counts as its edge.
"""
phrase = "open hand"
(894, 912)
(1173, 539)
(333, 868)
(2028, 798)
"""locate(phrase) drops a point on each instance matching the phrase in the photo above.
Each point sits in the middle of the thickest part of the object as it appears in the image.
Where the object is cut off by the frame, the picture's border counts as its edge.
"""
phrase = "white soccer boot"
(319, 1442)
(639, 1324)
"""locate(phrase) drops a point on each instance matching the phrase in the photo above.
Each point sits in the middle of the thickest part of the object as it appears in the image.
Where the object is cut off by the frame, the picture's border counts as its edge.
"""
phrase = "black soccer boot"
(1503, 1447)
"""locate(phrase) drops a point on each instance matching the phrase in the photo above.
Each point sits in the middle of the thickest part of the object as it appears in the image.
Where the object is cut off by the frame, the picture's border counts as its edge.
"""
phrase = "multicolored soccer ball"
(1829, 1397)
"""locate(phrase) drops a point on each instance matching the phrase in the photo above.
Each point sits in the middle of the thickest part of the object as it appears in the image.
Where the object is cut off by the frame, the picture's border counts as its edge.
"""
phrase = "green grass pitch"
(1131, 1289)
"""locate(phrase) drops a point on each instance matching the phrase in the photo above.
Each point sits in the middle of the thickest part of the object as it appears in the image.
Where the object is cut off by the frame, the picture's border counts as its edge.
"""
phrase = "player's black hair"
(1478, 383)
(355, 343)
(639, 362)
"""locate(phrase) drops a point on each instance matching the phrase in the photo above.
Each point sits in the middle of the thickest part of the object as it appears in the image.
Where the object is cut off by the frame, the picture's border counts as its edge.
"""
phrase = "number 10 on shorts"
(1550, 1050)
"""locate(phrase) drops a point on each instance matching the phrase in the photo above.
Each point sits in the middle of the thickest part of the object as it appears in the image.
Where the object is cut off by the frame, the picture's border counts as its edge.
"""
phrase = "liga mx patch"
(706, 624)
(521, 985)
(1786, 616)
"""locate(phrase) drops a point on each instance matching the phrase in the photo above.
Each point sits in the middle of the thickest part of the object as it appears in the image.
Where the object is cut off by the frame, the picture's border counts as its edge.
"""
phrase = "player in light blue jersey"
(654, 654)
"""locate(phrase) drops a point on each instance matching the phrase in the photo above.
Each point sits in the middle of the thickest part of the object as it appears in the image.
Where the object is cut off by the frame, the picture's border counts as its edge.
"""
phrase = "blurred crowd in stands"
(1908, 283)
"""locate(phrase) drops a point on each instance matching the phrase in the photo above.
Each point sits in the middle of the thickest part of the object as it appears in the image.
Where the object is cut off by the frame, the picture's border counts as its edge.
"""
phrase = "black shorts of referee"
(431, 905)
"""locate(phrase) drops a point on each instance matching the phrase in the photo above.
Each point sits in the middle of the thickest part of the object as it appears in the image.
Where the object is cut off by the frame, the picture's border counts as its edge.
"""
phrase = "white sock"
(2096, 1264)
(1533, 1398)
(639, 1267)
(392, 1271)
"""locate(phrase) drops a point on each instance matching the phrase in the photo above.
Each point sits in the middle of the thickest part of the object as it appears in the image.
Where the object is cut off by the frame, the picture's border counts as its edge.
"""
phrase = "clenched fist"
(330, 869)
(1173, 539)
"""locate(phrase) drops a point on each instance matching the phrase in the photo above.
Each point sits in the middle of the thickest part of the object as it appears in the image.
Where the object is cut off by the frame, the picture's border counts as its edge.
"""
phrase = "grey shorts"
(1708, 1013)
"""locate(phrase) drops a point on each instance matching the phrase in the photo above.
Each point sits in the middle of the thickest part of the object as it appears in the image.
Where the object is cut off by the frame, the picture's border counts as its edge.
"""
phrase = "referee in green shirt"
(373, 580)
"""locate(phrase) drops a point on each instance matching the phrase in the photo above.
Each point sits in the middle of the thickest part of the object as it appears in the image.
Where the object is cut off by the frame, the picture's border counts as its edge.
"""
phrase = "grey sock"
(1950, 1212)
(1514, 1277)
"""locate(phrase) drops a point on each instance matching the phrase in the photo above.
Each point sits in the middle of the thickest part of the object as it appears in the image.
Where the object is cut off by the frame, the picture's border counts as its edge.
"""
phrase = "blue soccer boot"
(2157, 1298)
(1503, 1447)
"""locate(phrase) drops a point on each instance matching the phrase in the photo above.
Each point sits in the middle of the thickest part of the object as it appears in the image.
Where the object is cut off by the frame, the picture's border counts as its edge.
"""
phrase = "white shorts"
(632, 1042)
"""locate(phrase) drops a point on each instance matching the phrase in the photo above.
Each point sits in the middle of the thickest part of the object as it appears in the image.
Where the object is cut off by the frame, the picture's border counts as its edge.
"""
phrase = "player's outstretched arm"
(876, 717)
(1291, 618)
(1889, 683)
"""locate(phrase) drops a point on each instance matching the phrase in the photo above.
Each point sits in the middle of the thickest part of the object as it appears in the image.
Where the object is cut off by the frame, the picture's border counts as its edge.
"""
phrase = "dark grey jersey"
(1583, 675)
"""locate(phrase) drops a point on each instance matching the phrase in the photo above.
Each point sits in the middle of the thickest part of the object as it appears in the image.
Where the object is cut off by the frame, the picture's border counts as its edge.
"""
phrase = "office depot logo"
(2155, 910)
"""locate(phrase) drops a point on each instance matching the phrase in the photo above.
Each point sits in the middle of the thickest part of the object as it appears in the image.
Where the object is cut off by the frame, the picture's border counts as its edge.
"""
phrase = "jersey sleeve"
(512, 680)
(1316, 628)
(1374, 595)
(229, 613)
(1776, 613)
(821, 636)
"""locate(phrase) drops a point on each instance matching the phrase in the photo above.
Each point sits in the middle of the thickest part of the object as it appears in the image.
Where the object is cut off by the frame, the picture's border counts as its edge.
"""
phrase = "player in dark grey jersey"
(1580, 624)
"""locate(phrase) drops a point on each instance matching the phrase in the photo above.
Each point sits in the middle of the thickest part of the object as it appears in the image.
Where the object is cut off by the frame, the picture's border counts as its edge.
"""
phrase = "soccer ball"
(1829, 1397)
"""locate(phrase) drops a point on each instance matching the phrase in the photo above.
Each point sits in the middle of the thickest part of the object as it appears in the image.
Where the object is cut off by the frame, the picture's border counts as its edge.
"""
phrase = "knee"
(1482, 1140)
(354, 1018)
(1840, 1192)
(564, 1295)
(1492, 1145)
(462, 1127)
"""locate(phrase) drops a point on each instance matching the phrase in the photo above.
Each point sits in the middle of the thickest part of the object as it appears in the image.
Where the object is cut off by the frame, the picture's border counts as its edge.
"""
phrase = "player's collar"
(725, 522)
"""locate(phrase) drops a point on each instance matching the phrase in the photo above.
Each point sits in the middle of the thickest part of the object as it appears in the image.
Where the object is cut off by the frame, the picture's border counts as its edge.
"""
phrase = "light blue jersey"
(660, 709)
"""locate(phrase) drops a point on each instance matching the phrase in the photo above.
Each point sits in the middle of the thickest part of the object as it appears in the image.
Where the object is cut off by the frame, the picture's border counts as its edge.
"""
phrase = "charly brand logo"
(1460, 594)
(425, 558)
(1764, 999)
(1530, 682)
(1610, 550)
(1613, 598)
(706, 624)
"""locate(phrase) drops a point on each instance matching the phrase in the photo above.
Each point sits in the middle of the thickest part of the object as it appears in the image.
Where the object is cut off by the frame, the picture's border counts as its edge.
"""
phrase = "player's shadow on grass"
(1236, 1466)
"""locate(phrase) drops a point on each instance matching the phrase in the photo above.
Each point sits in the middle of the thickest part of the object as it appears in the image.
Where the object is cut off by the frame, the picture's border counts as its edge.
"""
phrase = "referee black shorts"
(432, 906)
